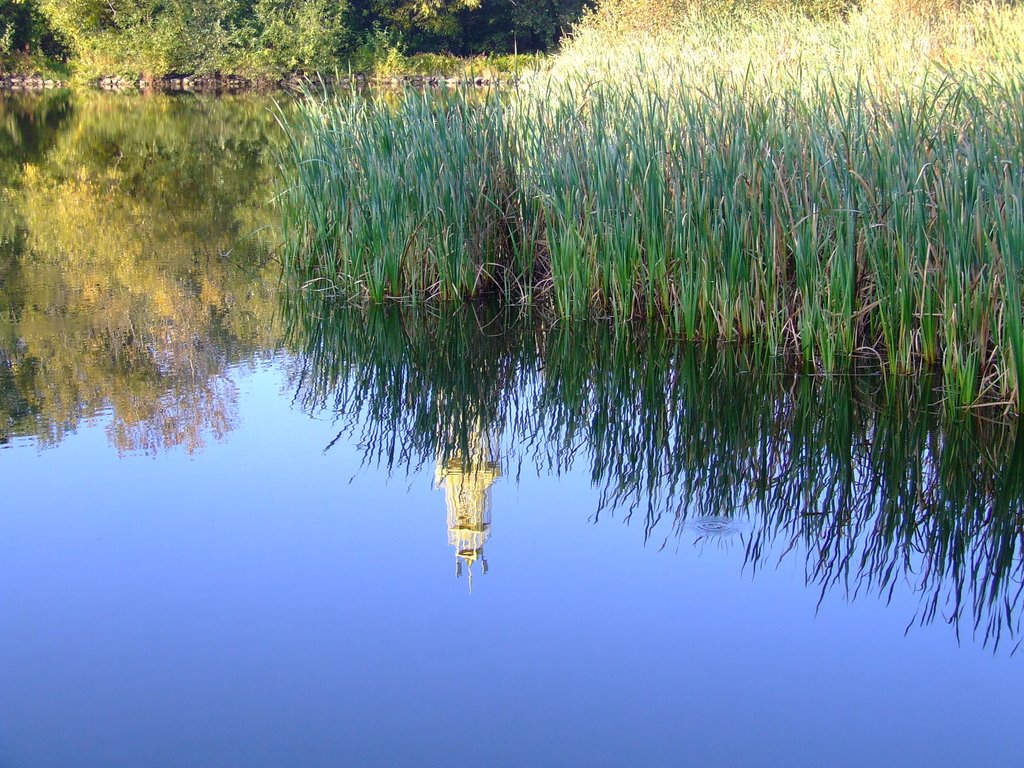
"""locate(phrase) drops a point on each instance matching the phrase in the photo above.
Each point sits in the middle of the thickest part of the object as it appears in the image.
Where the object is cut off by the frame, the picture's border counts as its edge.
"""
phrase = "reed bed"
(822, 189)
(397, 197)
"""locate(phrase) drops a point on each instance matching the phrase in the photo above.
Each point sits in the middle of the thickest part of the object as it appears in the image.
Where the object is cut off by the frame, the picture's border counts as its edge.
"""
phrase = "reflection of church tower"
(467, 481)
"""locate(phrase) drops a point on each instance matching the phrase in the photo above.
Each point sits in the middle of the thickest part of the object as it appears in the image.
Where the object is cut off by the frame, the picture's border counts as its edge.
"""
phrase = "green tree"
(157, 37)
(290, 35)
(515, 25)
(469, 26)
(24, 30)
(271, 37)
(422, 25)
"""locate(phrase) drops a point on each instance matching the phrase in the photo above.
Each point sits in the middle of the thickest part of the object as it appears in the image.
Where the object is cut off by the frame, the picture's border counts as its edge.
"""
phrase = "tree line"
(272, 37)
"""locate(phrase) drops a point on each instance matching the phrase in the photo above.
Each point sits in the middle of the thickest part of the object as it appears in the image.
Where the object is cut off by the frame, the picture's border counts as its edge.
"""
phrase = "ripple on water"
(716, 525)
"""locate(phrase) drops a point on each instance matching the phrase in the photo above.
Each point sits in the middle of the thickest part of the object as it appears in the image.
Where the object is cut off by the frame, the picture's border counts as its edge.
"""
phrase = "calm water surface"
(244, 526)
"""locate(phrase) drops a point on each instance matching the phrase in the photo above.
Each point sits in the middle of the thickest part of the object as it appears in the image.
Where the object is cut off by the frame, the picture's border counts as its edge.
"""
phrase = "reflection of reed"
(878, 483)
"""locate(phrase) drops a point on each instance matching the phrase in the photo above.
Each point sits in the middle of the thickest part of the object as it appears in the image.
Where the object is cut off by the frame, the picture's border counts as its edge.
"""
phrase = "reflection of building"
(467, 480)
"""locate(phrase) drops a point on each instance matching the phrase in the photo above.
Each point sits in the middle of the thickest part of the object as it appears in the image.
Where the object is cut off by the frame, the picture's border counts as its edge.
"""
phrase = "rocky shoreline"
(34, 82)
(235, 83)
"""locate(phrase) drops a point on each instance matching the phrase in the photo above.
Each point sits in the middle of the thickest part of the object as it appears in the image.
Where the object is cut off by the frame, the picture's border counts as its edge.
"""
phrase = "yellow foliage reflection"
(130, 285)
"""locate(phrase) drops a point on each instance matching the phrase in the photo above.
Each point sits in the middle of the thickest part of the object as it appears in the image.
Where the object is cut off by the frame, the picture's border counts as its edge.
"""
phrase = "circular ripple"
(713, 525)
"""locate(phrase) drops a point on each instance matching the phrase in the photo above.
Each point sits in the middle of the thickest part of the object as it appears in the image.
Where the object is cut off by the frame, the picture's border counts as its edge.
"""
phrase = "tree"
(421, 25)
(522, 25)
(157, 37)
(23, 28)
(470, 26)
(272, 37)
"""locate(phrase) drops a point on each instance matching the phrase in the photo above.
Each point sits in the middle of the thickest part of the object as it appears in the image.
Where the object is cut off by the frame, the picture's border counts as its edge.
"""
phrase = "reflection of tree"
(117, 293)
(876, 484)
(29, 125)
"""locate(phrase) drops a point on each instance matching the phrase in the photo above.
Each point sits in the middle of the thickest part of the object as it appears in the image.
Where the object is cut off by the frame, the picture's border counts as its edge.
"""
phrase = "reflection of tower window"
(467, 480)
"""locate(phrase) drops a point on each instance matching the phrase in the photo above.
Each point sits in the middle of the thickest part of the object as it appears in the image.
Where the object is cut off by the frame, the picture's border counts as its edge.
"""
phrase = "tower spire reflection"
(467, 477)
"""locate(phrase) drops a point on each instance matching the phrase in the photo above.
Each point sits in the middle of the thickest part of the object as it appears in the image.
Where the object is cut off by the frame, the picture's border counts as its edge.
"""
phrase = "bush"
(255, 37)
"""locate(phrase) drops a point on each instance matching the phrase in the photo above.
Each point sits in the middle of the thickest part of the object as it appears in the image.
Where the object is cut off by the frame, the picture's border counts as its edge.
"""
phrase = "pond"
(247, 525)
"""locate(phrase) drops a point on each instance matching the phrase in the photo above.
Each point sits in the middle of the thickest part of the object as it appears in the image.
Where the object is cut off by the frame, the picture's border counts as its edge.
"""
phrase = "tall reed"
(397, 197)
(824, 189)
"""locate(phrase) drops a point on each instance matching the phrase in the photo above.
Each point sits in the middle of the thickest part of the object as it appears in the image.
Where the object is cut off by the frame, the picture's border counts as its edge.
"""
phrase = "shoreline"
(33, 82)
(17, 83)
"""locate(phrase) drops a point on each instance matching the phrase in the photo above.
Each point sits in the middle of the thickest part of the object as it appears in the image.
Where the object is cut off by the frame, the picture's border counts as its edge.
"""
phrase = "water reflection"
(130, 286)
(129, 279)
(467, 481)
(873, 483)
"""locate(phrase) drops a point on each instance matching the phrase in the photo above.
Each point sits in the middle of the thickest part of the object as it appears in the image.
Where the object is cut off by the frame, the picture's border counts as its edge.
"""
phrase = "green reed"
(819, 223)
(869, 477)
(821, 208)
(397, 198)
